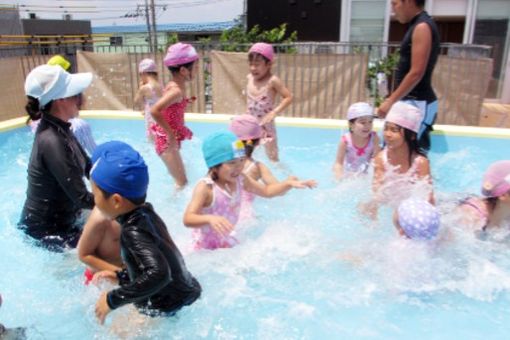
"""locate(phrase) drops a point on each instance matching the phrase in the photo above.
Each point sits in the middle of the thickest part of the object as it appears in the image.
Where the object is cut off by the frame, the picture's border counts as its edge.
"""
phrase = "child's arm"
(169, 97)
(155, 273)
(423, 171)
(370, 208)
(91, 237)
(275, 189)
(284, 92)
(266, 174)
(202, 197)
(377, 145)
(378, 174)
(338, 167)
(140, 95)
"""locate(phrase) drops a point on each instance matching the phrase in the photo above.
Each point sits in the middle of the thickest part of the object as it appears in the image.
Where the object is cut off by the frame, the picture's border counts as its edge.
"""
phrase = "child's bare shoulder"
(379, 156)
(421, 160)
(274, 81)
(203, 187)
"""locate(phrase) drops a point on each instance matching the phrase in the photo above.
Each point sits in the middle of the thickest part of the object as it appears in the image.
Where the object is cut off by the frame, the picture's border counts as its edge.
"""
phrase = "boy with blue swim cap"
(156, 279)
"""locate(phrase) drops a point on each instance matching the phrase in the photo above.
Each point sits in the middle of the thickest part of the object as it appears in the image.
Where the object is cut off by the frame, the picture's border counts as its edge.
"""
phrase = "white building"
(484, 22)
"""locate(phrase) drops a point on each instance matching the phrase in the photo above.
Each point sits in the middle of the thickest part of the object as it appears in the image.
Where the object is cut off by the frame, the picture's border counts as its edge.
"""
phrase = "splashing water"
(308, 265)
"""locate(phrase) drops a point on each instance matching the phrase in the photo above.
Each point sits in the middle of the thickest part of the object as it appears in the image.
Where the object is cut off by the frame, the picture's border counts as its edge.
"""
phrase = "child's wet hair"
(252, 56)
(135, 201)
(411, 139)
(213, 172)
(351, 123)
(249, 146)
(177, 68)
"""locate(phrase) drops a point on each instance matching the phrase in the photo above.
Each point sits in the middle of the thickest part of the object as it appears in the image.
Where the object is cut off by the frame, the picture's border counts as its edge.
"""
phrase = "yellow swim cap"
(58, 60)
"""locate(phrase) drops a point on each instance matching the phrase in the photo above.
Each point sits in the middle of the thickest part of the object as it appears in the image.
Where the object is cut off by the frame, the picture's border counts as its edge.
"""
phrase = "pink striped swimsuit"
(223, 204)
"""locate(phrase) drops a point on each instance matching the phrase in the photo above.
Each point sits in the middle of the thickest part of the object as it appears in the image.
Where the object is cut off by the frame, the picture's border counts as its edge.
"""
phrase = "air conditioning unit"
(67, 16)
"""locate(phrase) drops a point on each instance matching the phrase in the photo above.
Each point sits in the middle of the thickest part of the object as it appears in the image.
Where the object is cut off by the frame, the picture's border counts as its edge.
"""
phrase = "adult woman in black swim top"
(56, 190)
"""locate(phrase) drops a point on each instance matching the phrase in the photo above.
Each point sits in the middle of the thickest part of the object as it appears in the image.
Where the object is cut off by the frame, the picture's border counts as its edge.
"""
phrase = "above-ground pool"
(307, 267)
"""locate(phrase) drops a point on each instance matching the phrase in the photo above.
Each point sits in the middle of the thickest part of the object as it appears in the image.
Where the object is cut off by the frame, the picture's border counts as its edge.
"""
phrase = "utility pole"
(147, 20)
(154, 29)
(245, 15)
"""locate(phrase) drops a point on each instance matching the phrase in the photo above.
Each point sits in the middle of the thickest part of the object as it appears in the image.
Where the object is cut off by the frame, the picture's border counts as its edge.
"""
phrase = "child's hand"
(268, 118)
(310, 183)
(369, 209)
(105, 275)
(102, 308)
(220, 224)
(298, 184)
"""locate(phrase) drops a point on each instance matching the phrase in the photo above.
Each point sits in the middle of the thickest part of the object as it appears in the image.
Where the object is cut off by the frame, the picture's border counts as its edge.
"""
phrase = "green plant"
(385, 65)
(171, 38)
(237, 39)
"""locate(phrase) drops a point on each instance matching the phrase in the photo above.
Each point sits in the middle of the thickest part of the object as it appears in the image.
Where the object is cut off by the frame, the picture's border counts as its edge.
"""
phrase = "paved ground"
(495, 115)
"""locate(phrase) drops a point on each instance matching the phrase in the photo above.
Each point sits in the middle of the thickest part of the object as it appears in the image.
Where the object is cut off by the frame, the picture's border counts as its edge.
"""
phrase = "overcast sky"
(109, 12)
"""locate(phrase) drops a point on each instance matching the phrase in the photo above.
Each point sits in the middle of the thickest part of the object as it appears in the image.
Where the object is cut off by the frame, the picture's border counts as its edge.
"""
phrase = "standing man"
(418, 55)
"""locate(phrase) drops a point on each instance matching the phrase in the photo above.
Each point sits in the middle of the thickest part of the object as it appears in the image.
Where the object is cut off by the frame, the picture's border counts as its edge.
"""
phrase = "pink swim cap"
(246, 127)
(406, 116)
(361, 109)
(180, 54)
(496, 181)
(147, 65)
(264, 49)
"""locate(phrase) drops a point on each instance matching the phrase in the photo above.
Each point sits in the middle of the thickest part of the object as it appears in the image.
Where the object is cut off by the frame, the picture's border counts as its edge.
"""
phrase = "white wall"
(494, 9)
(447, 7)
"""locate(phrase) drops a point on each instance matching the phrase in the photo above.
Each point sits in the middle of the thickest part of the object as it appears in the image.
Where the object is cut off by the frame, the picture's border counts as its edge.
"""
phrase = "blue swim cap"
(419, 219)
(119, 169)
(221, 147)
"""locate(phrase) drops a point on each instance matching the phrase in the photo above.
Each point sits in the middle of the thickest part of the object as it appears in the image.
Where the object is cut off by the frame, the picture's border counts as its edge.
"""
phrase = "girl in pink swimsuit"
(357, 147)
(168, 112)
(149, 92)
(216, 202)
(493, 208)
(261, 92)
(249, 131)
(401, 170)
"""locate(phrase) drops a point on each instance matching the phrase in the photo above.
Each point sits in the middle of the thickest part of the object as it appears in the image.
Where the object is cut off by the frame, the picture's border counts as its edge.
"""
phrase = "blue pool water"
(308, 267)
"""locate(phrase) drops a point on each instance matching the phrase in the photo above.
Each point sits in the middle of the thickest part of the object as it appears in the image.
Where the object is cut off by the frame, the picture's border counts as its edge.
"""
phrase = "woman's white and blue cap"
(119, 169)
(222, 147)
(419, 219)
(50, 82)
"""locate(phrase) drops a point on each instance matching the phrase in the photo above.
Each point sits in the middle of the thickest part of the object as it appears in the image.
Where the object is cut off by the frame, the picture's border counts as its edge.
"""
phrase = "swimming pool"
(308, 267)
